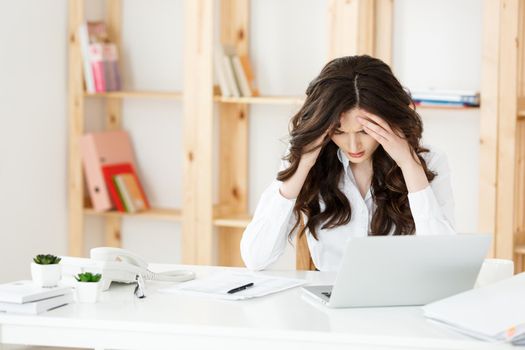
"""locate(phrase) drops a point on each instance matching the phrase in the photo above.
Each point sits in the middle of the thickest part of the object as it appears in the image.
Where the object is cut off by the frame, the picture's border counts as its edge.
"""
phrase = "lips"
(356, 155)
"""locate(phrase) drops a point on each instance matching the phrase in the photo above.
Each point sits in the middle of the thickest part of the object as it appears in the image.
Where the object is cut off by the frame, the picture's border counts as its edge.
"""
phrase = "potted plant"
(88, 287)
(45, 270)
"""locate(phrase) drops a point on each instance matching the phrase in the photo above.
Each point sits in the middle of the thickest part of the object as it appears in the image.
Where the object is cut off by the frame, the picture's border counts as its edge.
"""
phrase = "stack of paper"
(26, 298)
(495, 312)
(218, 285)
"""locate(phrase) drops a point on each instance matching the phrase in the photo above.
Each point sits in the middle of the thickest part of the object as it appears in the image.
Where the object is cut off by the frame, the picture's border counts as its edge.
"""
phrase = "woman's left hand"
(393, 143)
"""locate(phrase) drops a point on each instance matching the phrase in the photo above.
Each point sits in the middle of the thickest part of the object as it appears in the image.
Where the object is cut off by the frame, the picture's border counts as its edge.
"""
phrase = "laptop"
(404, 270)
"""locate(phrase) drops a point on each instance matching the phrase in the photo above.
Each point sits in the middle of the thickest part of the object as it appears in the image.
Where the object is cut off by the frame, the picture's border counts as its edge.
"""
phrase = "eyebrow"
(339, 129)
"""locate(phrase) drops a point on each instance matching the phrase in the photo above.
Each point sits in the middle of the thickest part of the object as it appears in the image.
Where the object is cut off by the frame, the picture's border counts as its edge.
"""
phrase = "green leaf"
(46, 259)
(88, 277)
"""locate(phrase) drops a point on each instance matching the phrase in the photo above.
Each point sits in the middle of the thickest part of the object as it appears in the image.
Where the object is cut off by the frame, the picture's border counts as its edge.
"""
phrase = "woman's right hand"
(309, 157)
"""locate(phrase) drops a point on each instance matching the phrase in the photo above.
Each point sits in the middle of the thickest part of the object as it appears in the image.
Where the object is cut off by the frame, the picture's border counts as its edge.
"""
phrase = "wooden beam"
(507, 111)
(76, 129)
(519, 223)
(489, 120)
(114, 112)
(198, 243)
(233, 142)
(351, 27)
(384, 13)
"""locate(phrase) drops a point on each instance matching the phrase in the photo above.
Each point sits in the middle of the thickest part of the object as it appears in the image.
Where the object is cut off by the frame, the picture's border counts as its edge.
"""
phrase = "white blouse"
(265, 238)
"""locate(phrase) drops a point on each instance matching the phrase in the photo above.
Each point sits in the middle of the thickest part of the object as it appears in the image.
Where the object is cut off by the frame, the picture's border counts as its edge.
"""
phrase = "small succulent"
(88, 277)
(46, 259)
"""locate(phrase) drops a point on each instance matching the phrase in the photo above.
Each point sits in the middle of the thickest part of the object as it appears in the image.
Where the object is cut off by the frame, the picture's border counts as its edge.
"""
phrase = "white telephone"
(120, 265)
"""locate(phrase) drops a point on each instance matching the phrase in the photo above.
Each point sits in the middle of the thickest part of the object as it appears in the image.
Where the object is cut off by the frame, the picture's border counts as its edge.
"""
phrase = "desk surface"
(289, 318)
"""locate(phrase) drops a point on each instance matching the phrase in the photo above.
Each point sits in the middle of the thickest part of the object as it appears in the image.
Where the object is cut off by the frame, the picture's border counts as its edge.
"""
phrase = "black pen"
(238, 289)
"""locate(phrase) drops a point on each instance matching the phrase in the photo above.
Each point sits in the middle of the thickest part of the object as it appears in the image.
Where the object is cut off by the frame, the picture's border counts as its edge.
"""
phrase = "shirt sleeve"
(264, 239)
(433, 207)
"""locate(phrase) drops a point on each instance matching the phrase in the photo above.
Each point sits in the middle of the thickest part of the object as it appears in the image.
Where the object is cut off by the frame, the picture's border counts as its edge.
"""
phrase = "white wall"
(33, 130)
(286, 53)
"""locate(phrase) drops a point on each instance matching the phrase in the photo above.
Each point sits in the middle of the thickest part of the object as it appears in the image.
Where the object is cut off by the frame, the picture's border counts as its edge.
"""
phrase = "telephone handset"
(120, 265)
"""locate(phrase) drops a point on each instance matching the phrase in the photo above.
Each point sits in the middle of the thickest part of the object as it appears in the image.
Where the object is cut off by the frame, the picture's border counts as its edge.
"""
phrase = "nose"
(354, 143)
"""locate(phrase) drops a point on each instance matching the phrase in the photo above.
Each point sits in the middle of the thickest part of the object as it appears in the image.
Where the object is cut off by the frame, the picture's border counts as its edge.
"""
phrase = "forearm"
(265, 238)
(290, 188)
(415, 177)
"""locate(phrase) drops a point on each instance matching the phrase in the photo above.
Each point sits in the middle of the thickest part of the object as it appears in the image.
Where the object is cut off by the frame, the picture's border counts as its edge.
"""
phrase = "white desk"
(286, 320)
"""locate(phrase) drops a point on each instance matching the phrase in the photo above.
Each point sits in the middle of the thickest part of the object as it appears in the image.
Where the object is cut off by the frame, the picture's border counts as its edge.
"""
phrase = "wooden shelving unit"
(77, 95)
(210, 231)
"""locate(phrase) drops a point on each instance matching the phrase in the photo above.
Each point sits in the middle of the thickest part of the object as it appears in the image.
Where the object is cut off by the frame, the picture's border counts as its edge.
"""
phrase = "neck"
(364, 166)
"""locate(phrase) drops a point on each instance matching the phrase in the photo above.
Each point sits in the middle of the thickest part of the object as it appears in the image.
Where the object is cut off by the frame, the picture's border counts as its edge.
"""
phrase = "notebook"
(26, 291)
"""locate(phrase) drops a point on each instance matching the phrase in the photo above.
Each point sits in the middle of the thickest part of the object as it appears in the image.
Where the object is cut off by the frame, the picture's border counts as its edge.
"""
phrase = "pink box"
(99, 149)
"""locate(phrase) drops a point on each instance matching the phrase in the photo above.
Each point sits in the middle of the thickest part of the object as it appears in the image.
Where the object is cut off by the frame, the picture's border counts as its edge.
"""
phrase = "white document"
(218, 284)
(495, 312)
(26, 291)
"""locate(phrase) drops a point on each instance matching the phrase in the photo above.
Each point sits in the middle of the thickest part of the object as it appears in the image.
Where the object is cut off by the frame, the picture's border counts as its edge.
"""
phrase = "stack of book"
(111, 175)
(495, 313)
(124, 188)
(234, 73)
(99, 58)
(24, 297)
(446, 98)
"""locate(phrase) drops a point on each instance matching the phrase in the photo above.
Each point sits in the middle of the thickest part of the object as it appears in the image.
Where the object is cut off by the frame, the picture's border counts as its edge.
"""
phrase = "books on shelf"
(125, 192)
(495, 312)
(99, 58)
(24, 297)
(234, 73)
(111, 150)
(446, 98)
(131, 192)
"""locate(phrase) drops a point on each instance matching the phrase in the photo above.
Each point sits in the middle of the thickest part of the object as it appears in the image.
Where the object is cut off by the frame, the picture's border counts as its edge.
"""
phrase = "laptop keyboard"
(327, 294)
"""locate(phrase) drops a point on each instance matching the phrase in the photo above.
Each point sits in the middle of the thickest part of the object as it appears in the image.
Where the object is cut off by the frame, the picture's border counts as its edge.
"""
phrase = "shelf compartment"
(232, 220)
(265, 100)
(170, 95)
(154, 213)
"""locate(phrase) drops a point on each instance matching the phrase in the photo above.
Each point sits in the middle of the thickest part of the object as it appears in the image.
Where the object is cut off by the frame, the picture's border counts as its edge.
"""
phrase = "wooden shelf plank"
(297, 100)
(236, 220)
(154, 213)
(444, 107)
(172, 95)
(269, 100)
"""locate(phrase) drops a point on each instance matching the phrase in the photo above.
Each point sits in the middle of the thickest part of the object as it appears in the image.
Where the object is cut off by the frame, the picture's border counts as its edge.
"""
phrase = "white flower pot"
(45, 275)
(88, 292)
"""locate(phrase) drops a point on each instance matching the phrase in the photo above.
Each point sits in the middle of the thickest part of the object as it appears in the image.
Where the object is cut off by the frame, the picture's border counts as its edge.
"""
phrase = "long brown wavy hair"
(345, 83)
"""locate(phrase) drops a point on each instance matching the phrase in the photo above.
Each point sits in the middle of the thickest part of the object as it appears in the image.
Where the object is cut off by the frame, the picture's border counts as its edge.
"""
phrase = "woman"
(355, 167)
